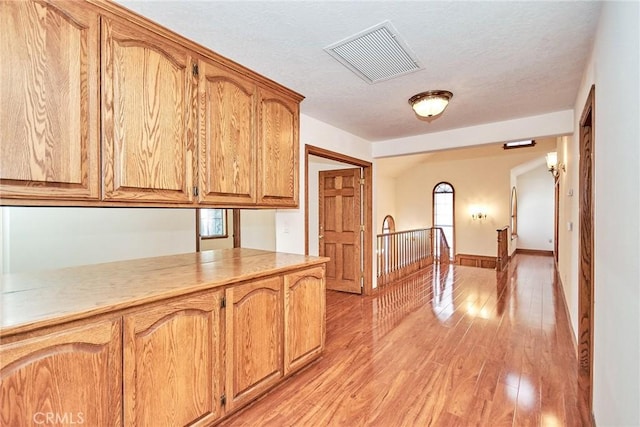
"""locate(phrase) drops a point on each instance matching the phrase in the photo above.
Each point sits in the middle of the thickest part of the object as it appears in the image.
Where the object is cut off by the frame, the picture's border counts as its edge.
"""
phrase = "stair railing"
(503, 248)
(403, 252)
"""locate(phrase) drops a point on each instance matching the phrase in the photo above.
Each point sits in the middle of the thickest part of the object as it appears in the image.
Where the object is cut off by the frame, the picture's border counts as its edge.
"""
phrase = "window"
(388, 225)
(444, 212)
(519, 144)
(213, 223)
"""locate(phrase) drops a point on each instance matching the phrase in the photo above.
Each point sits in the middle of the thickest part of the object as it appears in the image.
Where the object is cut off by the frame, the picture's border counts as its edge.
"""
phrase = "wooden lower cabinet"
(304, 317)
(173, 362)
(63, 378)
(254, 339)
(191, 359)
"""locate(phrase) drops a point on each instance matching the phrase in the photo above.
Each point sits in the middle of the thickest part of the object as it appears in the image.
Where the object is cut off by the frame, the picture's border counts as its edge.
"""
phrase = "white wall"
(568, 232)
(46, 238)
(258, 229)
(536, 127)
(290, 222)
(536, 191)
(385, 189)
(614, 68)
(3, 241)
(481, 177)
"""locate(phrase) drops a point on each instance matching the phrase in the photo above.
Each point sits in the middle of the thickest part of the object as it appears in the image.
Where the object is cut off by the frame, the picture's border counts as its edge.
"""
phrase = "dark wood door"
(340, 230)
(556, 219)
(585, 278)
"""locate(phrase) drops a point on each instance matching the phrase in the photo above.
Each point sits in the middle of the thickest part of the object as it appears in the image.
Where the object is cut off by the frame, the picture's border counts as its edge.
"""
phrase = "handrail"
(444, 250)
(403, 252)
(503, 248)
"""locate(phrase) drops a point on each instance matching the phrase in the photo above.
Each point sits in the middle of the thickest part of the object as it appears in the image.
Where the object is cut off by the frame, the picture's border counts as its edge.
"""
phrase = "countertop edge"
(55, 320)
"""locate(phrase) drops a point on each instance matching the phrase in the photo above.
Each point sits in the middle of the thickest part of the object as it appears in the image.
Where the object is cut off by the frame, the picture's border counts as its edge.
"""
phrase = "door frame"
(367, 205)
(586, 286)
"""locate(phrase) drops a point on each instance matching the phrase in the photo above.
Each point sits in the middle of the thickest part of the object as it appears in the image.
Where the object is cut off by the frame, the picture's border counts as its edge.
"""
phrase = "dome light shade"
(430, 103)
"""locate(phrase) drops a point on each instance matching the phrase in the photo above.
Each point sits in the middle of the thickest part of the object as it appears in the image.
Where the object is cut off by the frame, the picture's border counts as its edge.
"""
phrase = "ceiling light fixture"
(430, 103)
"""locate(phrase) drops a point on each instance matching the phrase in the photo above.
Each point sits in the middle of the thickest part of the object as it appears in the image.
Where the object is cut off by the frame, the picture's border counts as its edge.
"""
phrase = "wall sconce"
(478, 213)
(553, 166)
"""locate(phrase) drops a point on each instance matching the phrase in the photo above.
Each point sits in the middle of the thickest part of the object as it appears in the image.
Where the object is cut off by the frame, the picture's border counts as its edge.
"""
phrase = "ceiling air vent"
(375, 54)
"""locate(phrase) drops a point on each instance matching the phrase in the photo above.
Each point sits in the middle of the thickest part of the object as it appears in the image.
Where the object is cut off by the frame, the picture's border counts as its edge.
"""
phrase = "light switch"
(569, 226)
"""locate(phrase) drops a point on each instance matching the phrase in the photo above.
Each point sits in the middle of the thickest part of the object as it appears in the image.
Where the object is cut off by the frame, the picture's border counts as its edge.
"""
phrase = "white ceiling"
(501, 60)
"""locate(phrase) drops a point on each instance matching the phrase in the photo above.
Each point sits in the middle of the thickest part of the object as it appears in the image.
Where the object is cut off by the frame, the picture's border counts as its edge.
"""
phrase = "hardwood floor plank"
(464, 347)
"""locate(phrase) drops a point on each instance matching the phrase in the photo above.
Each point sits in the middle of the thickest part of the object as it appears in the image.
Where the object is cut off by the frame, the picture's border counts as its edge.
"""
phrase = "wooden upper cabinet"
(227, 153)
(149, 113)
(254, 339)
(278, 149)
(172, 363)
(304, 317)
(75, 375)
(99, 106)
(49, 108)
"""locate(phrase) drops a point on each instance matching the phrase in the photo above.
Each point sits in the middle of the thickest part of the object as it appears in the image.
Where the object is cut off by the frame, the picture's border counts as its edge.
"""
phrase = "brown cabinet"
(49, 135)
(304, 317)
(278, 150)
(102, 107)
(254, 339)
(248, 141)
(183, 340)
(227, 152)
(68, 377)
(149, 107)
(173, 362)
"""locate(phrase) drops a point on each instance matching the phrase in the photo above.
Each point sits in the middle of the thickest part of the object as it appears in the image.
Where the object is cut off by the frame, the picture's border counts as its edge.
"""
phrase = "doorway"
(312, 233)
(341, 228)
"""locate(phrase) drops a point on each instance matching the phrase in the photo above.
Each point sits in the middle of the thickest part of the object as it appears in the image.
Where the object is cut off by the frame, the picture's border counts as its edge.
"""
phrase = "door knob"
(320, 236)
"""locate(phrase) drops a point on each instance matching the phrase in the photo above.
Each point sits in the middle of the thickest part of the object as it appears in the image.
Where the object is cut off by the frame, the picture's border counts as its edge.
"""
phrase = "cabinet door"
(149, 108)
(278, 148)
(69, 377)
(172, 363)
(254, 339)
(49, 100)
(304, 317)
(227, 137)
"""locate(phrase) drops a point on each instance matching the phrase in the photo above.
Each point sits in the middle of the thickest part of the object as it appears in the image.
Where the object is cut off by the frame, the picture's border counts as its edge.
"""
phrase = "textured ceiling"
(501, 60)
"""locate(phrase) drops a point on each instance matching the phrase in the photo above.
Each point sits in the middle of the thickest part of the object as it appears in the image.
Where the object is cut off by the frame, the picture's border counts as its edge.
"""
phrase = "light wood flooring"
(461, 347)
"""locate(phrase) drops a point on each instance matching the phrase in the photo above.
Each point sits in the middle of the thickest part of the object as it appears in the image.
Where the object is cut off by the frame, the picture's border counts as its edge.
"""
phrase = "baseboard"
(482, 261)
(534, 252)
(566, 313)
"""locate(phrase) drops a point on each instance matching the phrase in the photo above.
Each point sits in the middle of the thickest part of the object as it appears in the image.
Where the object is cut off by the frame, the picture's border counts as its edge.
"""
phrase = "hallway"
(461, 347)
